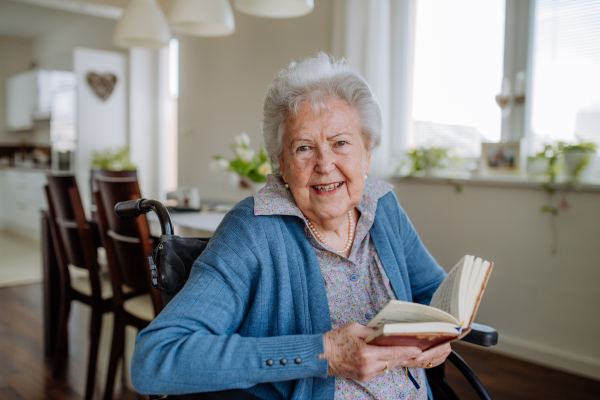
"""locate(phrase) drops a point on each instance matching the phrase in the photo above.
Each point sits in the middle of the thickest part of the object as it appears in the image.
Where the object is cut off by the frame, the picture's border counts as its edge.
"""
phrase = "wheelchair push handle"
(135, 208)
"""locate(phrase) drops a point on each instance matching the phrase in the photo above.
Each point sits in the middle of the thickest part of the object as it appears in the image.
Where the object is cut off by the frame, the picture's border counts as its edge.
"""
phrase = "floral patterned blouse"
(357, 287)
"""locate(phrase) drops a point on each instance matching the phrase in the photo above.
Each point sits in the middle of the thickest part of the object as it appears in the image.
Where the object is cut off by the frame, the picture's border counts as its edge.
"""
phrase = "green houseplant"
(111, 162)
(112, 159)
(428, 160)
(576, 160)
(559, 158)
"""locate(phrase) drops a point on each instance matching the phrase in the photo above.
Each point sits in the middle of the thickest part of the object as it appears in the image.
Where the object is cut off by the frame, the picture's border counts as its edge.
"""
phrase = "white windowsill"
(492, 180)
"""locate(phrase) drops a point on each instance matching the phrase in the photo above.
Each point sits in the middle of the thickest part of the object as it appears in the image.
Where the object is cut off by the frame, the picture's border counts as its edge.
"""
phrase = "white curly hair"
(317, 80)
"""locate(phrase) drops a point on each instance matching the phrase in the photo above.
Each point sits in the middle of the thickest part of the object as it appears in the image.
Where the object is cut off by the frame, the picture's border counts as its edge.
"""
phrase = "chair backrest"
(72, 235)
(94, 186)
(127, 242)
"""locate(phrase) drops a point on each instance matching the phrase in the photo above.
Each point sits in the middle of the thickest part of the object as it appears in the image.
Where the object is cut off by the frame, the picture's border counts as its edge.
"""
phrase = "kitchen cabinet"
(29, 96)
(22, 198)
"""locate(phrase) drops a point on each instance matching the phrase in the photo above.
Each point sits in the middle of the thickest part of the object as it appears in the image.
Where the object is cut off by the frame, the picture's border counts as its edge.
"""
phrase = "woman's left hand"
(435, 356)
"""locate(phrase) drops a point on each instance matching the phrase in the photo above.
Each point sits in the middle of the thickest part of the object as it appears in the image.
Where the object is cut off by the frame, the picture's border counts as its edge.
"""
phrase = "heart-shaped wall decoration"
(103, 85)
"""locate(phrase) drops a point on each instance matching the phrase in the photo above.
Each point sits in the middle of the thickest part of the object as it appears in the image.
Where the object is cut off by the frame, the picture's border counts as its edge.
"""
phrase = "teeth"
(327, 188)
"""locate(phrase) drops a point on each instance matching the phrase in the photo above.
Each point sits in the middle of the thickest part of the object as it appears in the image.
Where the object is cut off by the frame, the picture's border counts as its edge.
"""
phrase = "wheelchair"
(170, 265)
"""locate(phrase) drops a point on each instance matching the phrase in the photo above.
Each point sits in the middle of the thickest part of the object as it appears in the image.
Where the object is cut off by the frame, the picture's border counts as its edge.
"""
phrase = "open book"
(447, 318)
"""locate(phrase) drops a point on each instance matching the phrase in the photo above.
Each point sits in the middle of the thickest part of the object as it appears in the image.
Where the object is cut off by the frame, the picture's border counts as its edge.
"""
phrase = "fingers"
(436, 352)
(399, 353)
(435, 356)
(359, 330)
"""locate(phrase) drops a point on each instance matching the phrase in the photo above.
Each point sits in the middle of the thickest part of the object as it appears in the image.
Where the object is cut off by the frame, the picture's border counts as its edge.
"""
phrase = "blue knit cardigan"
(255, 298)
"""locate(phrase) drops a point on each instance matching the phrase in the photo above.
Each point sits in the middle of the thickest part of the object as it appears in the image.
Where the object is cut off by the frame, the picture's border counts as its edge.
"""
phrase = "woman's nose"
(324, 162)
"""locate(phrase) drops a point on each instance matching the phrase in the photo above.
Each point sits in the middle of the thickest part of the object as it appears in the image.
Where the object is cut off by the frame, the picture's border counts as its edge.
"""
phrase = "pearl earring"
(366, 176)
(287, 186)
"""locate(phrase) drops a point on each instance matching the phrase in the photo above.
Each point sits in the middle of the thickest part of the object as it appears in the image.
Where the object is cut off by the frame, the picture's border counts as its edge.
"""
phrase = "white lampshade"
(142, 24)
(202, 17)
(275, 8)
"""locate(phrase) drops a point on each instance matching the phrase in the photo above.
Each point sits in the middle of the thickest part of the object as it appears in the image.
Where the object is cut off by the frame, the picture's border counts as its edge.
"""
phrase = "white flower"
(242, 140)
(219, 164)
(246, 155)
(223, 164)
(265, 168)
(214, 166)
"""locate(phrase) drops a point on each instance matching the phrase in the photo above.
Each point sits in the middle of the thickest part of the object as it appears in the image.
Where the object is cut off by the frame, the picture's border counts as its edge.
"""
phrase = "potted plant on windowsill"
(428, 161)
(577, 160)
(566, 163)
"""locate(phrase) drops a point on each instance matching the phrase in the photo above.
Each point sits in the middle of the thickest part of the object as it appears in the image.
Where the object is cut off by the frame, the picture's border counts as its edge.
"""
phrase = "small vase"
(575, 159)
(254, 187)
(537, 166)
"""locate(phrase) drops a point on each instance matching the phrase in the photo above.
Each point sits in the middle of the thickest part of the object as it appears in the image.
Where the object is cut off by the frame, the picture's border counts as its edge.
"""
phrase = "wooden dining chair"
(127, 244)
(79, 272)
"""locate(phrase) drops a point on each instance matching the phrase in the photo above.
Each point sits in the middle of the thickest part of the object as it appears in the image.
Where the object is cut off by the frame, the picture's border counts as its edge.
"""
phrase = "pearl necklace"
(350, 234)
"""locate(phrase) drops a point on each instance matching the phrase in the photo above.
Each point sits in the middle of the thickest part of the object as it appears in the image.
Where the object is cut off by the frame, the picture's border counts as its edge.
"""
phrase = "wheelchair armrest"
(481, 335)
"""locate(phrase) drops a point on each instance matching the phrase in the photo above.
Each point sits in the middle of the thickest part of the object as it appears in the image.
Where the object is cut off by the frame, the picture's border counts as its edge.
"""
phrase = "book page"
(463, 288)
(446, 297)
(420, 327)
(478, 287)
(466, 307)
(397, 311)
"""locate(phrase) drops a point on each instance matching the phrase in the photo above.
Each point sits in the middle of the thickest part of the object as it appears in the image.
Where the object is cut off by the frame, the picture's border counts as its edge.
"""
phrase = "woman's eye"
(302, 148)
(341, 143)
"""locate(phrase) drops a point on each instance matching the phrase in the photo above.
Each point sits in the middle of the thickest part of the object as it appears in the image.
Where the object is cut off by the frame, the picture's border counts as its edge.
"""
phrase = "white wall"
(223, 81)
(544, 307)
(55, 51)
(101, 123)
(15, 57)
(144, 112)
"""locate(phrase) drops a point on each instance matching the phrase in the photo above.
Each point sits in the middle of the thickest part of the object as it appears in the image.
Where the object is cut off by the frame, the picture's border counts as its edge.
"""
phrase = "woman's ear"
(282, 167)
(368, 162)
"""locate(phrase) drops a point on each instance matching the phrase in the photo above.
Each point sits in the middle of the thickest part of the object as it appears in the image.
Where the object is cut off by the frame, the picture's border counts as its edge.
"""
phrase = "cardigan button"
(352, 278)
(283, 361)
(297, 360)
(269, 362)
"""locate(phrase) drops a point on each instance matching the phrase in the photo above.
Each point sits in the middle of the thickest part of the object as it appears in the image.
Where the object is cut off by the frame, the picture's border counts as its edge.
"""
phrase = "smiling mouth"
(328, 188)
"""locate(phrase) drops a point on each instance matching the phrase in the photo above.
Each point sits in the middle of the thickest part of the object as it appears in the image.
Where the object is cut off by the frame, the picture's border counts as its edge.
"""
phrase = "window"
(468, 51)
(458, 63)
(565, 92)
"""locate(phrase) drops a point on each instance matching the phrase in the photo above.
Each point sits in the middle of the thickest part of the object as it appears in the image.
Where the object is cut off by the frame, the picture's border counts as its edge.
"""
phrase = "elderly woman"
(279, 301)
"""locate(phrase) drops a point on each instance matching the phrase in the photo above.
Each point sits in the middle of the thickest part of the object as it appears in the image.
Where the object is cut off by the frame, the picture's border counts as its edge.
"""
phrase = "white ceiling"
(33, 18)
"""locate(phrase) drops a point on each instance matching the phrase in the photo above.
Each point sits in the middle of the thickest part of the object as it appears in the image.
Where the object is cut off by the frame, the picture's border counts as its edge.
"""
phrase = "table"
(190, 224)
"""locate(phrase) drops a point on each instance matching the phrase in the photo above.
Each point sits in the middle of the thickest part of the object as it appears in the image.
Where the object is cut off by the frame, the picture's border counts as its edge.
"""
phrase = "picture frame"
(501, 157)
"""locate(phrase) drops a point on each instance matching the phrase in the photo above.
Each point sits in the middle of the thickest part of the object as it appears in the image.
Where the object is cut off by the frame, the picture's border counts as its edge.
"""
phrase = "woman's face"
(324, 160)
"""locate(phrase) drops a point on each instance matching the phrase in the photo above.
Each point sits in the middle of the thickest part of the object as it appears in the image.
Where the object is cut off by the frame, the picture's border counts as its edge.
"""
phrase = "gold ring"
(429, 365)
(386, 370)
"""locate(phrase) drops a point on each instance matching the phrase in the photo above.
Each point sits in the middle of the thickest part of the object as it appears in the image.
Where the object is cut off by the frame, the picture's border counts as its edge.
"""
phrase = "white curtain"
(376, 37)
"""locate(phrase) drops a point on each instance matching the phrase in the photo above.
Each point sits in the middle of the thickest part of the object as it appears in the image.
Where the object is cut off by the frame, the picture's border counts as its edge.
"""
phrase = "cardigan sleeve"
(200, 342)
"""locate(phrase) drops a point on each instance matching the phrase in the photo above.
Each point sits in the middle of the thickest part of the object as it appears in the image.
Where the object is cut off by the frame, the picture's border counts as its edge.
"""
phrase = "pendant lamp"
(142, 24)
(275, 8)
(202, 17)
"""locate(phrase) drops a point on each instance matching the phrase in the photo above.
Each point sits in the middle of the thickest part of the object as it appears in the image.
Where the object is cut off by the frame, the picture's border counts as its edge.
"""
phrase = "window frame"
(518, 52)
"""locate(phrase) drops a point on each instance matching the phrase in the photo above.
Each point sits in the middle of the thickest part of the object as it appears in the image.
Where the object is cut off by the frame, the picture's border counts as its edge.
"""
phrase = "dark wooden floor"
(25, 376)
(507, 378)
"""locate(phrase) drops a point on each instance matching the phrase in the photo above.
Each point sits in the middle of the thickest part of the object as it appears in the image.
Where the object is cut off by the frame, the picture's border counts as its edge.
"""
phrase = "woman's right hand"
(350, 357)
